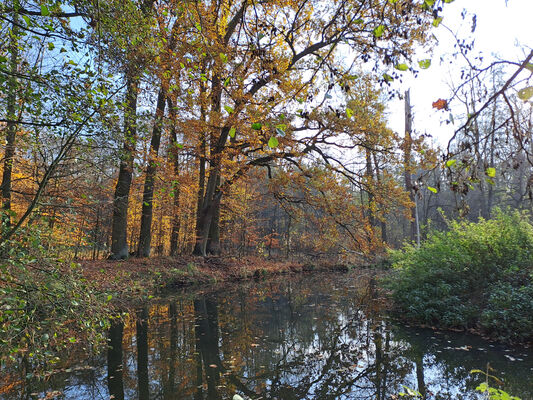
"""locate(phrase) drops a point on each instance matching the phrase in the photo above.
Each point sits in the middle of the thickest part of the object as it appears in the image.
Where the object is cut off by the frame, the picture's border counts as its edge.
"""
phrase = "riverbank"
(142, 277)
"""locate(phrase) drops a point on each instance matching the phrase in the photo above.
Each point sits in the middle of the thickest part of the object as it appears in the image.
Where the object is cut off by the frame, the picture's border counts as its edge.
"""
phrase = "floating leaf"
(401, 67)
(232, 132)
(424, 64)
(273, 142)
(491, 172)
(432, 189)
(256, 126)
(228, 109)
(451, 163)
(379, 31)
(525, 93)
(349, 112)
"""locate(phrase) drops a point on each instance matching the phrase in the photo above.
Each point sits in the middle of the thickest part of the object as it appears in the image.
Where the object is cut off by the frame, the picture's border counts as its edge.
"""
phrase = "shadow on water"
(305, 337)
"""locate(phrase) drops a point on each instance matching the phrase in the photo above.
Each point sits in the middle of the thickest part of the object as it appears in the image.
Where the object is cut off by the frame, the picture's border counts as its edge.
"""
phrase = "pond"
(310, 336)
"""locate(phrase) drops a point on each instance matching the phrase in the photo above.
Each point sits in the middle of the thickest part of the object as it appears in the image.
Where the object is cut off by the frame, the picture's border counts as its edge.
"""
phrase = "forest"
(193, 137)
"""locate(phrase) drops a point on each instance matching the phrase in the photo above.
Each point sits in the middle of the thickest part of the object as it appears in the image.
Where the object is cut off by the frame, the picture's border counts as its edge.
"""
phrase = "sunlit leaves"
(432, 189)
(45, 12)
(229, 109)
(491, 172)
(349, 112)
(273, 142)
(256, 126)
(451, 163)
(379, 31)
(223, 57)
(437, 21)
(525, 93)
(232, 132)
(401, 67)
(424, 64)
(388, 78)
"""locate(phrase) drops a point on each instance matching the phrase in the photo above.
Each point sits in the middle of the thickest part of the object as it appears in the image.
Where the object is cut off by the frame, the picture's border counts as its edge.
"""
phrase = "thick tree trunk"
(11, 127)
(119, 243)
(145, 236)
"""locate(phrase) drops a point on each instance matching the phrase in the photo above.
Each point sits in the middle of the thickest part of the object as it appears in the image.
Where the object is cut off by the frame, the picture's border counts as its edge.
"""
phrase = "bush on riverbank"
(476, 275)
(45, 303)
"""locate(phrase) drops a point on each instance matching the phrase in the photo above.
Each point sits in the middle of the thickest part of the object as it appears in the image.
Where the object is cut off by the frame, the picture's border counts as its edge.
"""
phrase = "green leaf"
(51, 46)
(273, 142)
(451, 163)
(401, 67)
(349, 112)
(424, 64)
(379, 31)
(27, 19)
(228, 109)
(232, 132)
(530, 67)
(45, 12)
(525, 93)
(199, 27)
(437, 21)
(223, 57)
(388, 78)
(226, 82)
(109, 297)
(491, 172)
(280, 132)
(256, 126)
(432, 189)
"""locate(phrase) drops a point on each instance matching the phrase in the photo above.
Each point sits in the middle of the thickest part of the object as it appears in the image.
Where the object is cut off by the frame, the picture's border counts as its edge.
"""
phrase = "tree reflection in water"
(308, 337)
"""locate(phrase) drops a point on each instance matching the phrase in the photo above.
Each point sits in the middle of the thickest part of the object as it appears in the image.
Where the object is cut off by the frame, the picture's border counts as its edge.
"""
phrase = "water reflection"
(309, 337)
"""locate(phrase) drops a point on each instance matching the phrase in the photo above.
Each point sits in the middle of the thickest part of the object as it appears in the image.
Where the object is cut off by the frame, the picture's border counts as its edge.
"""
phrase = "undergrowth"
(475, 275)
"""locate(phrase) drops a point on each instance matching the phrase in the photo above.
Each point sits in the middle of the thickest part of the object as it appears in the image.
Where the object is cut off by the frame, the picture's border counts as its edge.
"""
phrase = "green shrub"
(474, 275)
(45, 304)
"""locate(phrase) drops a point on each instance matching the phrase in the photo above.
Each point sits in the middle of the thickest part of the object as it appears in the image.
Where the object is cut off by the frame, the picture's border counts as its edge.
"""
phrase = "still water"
(302, 337)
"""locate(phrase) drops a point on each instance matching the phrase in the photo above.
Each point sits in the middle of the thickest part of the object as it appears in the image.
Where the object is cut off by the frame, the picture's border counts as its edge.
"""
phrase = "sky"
(504, 31)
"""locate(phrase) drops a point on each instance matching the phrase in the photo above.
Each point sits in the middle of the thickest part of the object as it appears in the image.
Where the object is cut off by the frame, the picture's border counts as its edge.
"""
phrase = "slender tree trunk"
(145, 236)
(119, 243)
(11, 127)
(369, 183)
(407, 163)
(174, 153)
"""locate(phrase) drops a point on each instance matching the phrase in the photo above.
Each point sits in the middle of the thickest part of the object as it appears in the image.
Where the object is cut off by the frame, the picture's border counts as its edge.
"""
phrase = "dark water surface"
(302, 337)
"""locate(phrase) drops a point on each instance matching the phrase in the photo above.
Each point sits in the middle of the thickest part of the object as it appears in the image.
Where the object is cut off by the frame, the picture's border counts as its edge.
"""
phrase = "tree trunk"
(11, 127)
(174, 152)
(119, 243)
(145, 236)
(407, 163)
(213, 243)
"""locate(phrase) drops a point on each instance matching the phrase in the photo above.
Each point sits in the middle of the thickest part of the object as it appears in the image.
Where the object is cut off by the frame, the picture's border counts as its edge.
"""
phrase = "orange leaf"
(440, 104)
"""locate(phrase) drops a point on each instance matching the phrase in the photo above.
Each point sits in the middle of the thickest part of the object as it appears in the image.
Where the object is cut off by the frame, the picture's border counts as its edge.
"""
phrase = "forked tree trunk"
(119, 241)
